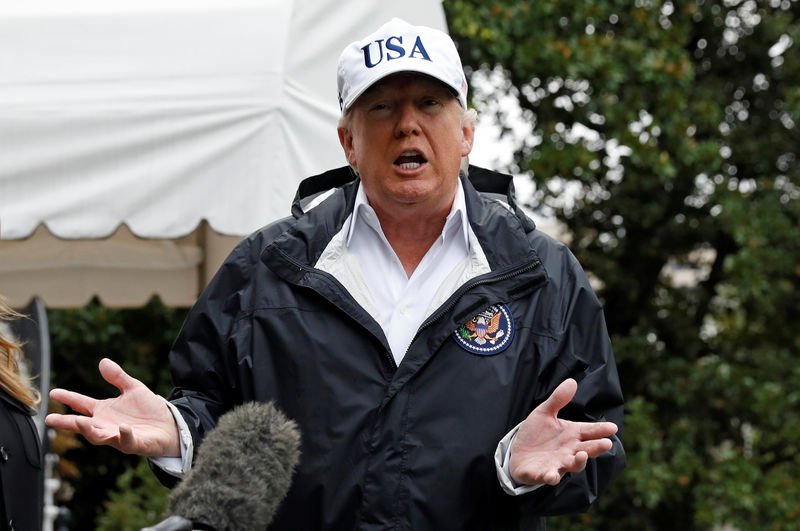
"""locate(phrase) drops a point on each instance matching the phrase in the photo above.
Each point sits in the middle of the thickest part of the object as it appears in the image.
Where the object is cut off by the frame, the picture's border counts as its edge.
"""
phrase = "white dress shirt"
(400, 303)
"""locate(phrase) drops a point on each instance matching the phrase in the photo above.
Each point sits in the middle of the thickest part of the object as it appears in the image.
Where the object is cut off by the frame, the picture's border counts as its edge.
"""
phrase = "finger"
(595, 447)
(596, 430)
(62, 422)
(95, 434)
(127, 440)
(553, 477)
(113, 374)
(560, 397)
(578, 462)
(80, 403)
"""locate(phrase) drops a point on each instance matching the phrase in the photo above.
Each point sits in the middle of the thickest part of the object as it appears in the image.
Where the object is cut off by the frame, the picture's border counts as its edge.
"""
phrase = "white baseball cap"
(397, 46)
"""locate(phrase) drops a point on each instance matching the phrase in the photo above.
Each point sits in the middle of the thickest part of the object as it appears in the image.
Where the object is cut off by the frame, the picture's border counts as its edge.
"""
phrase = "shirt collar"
(456, 217)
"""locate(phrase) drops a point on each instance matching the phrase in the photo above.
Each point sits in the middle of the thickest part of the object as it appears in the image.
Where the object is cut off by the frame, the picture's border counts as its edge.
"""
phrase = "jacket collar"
(8, 399)
(312, 190)
(323, 203)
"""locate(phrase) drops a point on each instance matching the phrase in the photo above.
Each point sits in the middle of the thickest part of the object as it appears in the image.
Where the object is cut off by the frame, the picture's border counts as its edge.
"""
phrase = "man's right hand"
(136, 422)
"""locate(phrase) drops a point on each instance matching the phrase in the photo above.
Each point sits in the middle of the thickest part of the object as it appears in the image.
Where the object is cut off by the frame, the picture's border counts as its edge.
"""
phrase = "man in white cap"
(447, 363)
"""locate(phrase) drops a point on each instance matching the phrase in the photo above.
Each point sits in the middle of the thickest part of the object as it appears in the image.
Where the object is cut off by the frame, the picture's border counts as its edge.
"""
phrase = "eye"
(430, 104)
(379, 106)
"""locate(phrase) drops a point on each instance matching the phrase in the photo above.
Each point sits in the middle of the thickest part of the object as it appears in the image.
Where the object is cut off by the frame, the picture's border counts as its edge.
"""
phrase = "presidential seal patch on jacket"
(490, 332)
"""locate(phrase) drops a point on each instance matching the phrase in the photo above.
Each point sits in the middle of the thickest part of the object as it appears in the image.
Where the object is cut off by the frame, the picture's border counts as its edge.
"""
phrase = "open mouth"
(410, 160)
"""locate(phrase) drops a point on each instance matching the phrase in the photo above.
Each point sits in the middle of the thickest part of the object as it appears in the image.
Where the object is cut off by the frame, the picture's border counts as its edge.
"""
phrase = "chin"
(414, 192)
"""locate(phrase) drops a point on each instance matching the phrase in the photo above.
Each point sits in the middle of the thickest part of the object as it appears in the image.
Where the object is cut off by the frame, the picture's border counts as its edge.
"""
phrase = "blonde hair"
(11, 381)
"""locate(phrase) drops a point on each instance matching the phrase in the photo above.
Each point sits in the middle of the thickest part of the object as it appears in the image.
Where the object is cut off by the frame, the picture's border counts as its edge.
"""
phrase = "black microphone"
(243, 471)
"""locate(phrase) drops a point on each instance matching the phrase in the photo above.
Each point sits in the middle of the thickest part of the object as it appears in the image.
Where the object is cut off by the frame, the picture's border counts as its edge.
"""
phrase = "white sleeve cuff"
(502, 456)
(177, 466)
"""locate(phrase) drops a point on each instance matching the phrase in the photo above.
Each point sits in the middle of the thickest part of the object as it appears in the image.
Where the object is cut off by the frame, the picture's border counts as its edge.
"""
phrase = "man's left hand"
(547, 447)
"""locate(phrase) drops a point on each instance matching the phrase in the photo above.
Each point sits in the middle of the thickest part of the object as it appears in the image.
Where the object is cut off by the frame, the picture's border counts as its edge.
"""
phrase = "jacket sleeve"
(585, 354)
(203, 359)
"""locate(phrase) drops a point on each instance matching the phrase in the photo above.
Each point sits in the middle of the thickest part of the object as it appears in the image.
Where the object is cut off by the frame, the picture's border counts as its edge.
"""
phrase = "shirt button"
(402, 310)
(3, 453)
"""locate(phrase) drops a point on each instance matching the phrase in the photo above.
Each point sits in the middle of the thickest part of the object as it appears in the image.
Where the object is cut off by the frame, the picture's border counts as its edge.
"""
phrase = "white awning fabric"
(127, 122)
(121, 270)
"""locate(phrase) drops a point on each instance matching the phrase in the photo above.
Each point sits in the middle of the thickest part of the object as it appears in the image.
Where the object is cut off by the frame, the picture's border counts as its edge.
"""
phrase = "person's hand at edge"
(136, 422)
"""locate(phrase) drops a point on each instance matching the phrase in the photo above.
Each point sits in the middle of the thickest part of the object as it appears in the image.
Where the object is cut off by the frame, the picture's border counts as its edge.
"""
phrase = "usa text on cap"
(397, 46)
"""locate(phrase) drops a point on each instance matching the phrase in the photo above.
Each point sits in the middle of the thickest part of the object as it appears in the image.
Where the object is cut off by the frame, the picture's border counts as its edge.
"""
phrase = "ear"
(346, 140)
(468, 131)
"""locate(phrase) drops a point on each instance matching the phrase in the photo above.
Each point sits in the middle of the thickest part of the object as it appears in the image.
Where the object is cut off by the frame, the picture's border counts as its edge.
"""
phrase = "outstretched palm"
(135, 422)
(547, 447)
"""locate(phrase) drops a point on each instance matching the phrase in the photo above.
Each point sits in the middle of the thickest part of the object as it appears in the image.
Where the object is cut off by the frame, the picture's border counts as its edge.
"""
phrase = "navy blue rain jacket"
(408, 447)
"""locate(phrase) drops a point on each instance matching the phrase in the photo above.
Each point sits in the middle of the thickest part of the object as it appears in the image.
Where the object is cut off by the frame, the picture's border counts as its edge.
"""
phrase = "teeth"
(410, 165)
(409, 153)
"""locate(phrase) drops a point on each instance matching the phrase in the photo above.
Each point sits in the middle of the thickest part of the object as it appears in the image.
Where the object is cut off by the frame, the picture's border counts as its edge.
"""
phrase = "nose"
(407, 121)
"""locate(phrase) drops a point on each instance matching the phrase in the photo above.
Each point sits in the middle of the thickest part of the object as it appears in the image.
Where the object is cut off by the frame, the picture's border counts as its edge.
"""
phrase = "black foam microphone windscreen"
(242, 472)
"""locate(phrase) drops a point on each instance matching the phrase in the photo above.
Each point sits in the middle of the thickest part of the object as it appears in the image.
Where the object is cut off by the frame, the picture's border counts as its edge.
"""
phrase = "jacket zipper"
(323, 274)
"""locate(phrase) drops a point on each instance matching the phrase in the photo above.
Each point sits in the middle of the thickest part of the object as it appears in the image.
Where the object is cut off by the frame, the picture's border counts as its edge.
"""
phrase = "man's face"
(406, 138)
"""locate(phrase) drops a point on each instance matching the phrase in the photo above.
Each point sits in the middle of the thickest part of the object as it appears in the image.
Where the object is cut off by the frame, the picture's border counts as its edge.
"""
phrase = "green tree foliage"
(665, 136)
(139, 340)
(138, 501)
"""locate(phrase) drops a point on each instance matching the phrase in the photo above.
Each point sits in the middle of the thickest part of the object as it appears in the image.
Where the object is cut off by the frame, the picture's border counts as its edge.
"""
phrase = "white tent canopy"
(124, 125)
